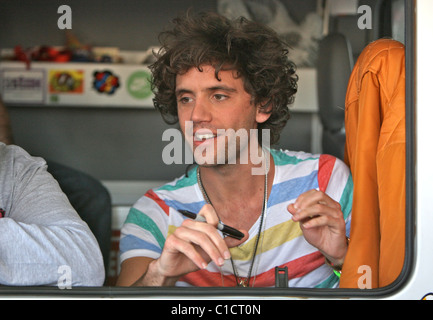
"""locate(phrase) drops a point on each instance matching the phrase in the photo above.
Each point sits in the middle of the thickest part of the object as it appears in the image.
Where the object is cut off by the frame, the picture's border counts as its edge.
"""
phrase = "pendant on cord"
(243, 282)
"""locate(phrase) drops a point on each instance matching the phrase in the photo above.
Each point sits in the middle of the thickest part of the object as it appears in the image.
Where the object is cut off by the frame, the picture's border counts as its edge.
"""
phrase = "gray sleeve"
(43, 241)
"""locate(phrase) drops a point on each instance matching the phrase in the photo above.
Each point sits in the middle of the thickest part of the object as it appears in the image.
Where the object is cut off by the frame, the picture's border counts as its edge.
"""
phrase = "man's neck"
(234, 188)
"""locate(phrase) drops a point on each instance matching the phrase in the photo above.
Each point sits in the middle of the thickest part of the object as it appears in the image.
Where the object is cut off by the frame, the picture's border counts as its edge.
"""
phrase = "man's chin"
(204, 163)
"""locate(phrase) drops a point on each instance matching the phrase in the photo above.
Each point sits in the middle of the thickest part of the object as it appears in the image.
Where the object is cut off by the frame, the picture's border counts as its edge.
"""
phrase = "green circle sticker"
(138, 85)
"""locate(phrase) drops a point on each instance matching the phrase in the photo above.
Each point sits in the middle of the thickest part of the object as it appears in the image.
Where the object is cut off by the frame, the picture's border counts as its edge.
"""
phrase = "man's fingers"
(312, 204)
(186, 248)
(206, 237)
(312, 197)
(209, 213)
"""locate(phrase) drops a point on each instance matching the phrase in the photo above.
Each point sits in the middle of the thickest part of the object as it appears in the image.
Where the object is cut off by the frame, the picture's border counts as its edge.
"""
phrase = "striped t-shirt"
(154, 217)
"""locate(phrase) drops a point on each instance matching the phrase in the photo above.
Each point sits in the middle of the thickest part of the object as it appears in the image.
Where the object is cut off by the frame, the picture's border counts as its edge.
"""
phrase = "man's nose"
(201, 111)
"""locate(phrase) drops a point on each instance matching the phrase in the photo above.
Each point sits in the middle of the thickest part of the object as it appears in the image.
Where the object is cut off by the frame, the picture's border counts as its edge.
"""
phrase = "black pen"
(231, 232)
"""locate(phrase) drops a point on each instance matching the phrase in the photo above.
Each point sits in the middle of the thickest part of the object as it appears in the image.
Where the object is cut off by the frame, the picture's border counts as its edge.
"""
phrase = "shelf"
(103, 85)
(76, 84)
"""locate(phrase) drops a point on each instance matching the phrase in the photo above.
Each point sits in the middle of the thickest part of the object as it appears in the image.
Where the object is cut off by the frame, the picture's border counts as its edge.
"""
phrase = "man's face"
(212, 112)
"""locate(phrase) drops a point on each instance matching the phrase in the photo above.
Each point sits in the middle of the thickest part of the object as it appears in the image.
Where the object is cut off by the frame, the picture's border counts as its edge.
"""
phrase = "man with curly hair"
(225, 80)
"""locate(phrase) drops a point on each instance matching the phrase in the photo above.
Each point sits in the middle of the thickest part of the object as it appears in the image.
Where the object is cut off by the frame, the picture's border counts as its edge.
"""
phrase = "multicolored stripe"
(155, 216)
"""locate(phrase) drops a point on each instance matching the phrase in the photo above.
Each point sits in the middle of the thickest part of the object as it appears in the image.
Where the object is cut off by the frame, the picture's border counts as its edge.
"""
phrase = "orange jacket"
(375, 153)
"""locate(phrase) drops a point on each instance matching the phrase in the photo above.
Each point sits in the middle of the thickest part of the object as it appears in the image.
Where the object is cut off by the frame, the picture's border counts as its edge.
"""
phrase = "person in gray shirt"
(87, 195)
(43, 241)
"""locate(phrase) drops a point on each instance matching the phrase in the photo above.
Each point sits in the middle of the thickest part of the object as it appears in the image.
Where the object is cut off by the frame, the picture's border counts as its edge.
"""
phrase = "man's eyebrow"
(179, 92)
(223, 88)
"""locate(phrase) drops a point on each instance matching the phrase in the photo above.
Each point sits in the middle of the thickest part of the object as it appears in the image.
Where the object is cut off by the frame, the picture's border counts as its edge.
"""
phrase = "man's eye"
(184, 100)
(220, 97)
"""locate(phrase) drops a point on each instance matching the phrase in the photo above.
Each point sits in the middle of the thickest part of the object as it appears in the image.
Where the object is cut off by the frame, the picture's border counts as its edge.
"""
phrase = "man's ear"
(263, 112)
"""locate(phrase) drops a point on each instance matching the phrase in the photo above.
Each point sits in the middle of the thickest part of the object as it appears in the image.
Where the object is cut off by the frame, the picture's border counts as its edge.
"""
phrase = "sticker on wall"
(66, 81)
(26, 86)
(138, 85)
(105, 82)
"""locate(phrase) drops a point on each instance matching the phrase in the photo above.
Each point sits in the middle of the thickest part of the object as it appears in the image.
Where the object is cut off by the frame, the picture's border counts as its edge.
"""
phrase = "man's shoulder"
(288, 157)
(187, 180)
(180, 189)
(297, 163)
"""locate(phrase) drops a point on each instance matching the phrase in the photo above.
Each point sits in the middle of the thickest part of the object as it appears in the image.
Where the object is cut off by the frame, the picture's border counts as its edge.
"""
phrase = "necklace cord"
(246, 282)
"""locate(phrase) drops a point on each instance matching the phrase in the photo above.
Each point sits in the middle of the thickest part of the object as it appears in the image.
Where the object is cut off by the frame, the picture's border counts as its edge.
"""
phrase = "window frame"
(226, 293)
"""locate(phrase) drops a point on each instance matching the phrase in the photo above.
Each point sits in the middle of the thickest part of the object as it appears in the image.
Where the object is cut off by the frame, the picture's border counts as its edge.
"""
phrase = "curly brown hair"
(253, 50)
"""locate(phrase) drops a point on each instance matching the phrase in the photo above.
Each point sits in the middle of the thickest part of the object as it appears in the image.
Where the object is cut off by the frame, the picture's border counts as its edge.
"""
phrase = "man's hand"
(322, 223)
(193, 245)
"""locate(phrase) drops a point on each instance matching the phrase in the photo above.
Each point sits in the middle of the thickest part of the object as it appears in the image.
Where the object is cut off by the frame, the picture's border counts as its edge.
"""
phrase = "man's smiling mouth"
(203, 136)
